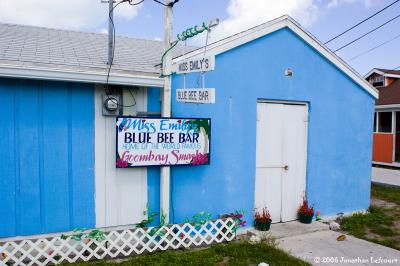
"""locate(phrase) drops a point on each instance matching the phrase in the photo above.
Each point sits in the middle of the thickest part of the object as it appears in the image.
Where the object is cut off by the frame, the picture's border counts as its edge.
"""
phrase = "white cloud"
(244, 14)
(66, 14)
(336, 3)
(158, 39)
(103, 31)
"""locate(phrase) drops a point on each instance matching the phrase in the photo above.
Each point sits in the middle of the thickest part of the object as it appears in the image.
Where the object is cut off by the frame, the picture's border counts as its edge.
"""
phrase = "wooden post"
(166, 107)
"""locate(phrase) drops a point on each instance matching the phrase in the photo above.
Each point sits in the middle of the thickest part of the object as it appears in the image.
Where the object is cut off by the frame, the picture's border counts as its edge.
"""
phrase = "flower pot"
(262, 226)
(305, 219)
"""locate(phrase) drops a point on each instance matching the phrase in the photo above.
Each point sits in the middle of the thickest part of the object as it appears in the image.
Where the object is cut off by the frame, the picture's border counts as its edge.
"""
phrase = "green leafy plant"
(149, 220)
(199, 219)
(97, 234)
(157, 230)
(78, 234)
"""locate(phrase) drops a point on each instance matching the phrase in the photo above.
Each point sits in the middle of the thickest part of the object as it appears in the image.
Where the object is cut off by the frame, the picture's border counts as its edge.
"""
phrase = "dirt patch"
(370, 234)
(397, 225)
(383, 204)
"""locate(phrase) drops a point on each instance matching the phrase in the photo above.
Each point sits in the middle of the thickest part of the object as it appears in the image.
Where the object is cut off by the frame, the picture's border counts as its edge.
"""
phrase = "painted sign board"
(198, 64)
(144, 141)
(196, 95)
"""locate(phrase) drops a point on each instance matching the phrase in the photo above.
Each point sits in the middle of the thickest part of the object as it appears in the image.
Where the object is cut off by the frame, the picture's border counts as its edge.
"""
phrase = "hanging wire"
(365, 34)
(204, 54)
(184, 74)
(106, 87)
(163, 56)
(374, 48)
(361, 22)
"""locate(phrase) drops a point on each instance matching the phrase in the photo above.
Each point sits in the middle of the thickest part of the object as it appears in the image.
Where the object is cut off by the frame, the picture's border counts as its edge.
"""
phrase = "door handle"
(285, 167)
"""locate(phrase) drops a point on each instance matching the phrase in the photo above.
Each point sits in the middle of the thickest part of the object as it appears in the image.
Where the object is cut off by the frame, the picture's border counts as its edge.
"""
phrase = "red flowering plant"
(305, 211)
(262, 219)
(264, 216)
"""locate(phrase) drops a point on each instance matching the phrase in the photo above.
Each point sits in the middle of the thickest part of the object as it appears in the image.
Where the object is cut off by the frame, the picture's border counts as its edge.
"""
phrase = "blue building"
(290, 118)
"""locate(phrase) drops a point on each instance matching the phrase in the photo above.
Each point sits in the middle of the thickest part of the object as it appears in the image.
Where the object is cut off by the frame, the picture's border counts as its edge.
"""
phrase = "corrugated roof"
(30, 46)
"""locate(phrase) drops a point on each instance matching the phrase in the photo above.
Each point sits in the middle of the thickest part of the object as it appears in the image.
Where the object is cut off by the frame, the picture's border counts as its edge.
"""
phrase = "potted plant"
(262, 220)
(305, 212)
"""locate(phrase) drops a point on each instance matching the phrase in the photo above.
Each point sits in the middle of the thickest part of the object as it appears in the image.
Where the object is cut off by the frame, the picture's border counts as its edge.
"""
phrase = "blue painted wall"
(46, 157)
(153, 173)
(339, 137)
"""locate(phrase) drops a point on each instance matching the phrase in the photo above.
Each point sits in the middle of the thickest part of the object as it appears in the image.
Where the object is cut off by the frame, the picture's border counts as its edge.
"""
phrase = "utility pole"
(166, 106)
(110, 31)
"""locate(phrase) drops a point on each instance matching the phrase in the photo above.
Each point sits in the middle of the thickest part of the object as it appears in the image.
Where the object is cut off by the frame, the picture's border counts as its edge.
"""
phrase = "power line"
(361, 22)
(134, 4)
(130, 2)
(113, 49)
(376, 47)
(367, 33)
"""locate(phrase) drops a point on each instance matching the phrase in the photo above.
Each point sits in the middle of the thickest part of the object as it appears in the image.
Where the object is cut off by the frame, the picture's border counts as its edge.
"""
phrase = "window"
(375, 114)
(378, 81)
(385, 122)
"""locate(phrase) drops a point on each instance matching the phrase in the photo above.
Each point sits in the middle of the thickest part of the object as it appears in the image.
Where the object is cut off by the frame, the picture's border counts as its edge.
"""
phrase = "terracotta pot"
(262, 226)
(305, 219)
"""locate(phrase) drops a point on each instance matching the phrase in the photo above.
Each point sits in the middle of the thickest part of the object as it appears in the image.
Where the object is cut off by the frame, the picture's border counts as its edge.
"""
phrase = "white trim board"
(272, 26)
(387, 107)
(79, 76)
(377, 71)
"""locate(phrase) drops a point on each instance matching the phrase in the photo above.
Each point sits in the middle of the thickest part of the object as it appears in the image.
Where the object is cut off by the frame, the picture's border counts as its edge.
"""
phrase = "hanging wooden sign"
(196, 95)
(144, 141)
(198, 64)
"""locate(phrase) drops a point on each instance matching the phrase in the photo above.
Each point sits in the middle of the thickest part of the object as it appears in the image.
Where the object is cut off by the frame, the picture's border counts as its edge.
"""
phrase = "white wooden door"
(281, 156)
(121, 194)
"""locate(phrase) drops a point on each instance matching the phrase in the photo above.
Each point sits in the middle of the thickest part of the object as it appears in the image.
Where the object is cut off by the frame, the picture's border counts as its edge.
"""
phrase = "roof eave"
(392, 76)
(80, 76)
(377, 71)
(372, 71)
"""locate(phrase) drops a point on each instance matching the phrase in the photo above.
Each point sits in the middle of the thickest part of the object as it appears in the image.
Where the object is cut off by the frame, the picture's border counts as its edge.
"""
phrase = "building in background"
(386, 146)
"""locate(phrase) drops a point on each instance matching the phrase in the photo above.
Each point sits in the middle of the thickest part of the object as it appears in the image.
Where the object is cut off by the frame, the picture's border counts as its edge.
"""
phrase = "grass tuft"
(390, 194)
(378, 225)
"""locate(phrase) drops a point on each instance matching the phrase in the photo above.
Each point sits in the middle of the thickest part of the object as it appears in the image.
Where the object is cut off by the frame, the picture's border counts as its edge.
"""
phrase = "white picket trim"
(119, 243)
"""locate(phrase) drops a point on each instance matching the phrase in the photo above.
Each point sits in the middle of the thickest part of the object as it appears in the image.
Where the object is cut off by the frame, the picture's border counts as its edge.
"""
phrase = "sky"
(323, 18)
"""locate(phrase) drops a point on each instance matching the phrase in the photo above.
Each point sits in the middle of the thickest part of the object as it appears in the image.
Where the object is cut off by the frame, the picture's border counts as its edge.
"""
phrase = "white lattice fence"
(122, 243)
